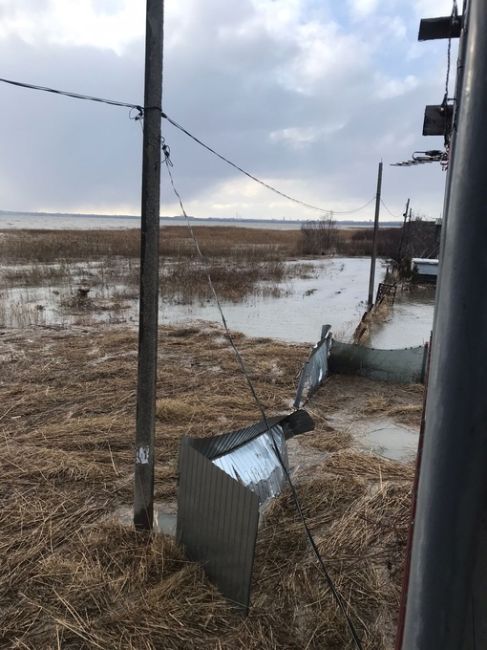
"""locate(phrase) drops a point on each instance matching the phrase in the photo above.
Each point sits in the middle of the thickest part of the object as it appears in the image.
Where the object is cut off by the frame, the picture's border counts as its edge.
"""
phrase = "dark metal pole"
(149, 270)
(370, 300)
(447, 598)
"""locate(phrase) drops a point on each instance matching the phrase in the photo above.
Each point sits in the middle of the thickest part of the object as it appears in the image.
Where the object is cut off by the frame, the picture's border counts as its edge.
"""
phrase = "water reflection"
(409, 322)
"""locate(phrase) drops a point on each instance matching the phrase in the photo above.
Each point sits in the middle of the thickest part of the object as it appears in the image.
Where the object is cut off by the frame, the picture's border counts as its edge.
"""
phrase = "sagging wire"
(166, 151)
(396, 216)
(342, 604)
(65, 93)
(260, 181)
(139, 115)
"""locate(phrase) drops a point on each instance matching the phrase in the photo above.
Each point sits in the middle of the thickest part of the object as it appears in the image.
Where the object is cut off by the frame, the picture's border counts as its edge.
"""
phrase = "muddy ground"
(72, 576)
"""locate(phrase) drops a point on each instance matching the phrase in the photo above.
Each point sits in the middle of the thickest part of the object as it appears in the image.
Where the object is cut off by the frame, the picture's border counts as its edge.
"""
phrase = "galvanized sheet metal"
(293, 424)
(256, 464)
(315, 369)
(217, 524)
(222, 482)
(405, 365)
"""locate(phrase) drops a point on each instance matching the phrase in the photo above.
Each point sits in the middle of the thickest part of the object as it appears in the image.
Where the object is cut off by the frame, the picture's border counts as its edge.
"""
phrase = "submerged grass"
(72, 577)
(240, 261)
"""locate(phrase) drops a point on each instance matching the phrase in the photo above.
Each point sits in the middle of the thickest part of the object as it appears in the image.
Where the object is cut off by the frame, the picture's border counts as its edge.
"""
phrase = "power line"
(396, 216)
(337, 596)
(258, 180)
(65, 93)
(141, 110)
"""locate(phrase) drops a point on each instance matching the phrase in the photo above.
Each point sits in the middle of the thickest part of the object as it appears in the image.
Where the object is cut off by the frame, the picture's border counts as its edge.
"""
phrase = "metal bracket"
(438, 119)
(435, 28)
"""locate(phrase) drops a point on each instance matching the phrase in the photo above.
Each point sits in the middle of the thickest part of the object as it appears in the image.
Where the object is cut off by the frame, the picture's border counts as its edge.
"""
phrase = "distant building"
(424, 270)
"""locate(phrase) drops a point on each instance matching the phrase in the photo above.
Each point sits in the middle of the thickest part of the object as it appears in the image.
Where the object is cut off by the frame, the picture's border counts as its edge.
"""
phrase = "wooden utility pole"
(149, 270)
(370, 300)
(403, 233)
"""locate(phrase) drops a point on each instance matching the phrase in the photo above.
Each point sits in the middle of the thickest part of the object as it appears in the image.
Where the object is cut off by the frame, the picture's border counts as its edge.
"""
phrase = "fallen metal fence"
(223, 481)
(315, 369)
(406, 365)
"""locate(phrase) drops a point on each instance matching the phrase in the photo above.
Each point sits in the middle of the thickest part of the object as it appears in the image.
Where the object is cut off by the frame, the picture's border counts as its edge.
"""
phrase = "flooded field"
(293, 308)
(334, 294)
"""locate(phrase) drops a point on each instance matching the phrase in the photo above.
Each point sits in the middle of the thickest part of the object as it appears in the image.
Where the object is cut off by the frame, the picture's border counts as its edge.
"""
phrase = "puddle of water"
(165, 518)
(380, 435)
(409, 323)
(388, 439)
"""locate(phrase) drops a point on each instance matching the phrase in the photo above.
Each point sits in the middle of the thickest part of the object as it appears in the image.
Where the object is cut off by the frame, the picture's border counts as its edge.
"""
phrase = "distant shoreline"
(56, 220)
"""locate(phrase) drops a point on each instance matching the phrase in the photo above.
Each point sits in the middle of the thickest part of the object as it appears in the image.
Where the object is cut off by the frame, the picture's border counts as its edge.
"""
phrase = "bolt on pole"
(149, 270)
(370, 300)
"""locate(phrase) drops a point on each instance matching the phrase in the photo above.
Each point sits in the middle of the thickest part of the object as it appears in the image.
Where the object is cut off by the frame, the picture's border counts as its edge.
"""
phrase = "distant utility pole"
(403, 233)
(149, 270)
(370, 300)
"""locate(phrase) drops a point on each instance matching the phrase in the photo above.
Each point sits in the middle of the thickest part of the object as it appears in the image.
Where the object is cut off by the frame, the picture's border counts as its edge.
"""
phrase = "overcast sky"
(307, 94)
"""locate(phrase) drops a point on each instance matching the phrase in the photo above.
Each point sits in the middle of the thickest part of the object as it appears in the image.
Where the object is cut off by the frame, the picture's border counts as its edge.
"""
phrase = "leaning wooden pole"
(149, 270)
(403, 232)
(373, 258)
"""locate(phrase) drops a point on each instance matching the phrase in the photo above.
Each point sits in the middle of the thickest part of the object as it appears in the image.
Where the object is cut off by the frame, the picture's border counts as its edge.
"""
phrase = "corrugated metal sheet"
(405, 365)
(256, 464)
(217, 524)
(222, 482)
(293, 424)
(315, 369)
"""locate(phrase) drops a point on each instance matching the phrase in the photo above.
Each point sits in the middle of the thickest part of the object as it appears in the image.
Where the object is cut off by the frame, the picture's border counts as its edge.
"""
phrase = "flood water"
(335, 295)
(388, 439)
(410, 321)
(333, 292)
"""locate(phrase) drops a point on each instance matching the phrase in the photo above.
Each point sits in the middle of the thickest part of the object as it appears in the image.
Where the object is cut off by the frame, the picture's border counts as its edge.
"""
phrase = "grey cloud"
(226, 85)
(10, 8)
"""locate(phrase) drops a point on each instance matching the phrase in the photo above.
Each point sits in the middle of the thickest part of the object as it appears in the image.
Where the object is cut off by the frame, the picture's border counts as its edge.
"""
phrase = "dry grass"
(386, 405)
(50, 246)
(71, 578)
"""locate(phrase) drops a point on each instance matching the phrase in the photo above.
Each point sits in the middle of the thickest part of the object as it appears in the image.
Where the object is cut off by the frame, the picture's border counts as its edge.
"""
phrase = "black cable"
(338, 597)
(396, 216)
(66, 93)
(141, 110)
(258, 180)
